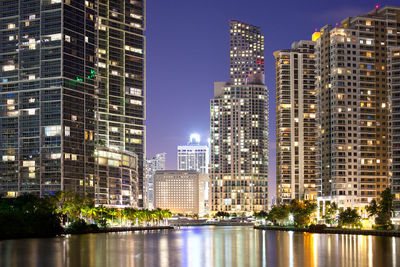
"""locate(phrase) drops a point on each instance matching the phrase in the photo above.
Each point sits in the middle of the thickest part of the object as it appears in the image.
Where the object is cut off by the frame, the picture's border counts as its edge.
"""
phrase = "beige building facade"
(181, 191)
(296, 127)
(353, 106)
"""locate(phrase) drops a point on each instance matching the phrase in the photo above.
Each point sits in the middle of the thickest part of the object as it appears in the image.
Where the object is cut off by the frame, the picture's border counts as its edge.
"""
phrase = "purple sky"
(188, 49)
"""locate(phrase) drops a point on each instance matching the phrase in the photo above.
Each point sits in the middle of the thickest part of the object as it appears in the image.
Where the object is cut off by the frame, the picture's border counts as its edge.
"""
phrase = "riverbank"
(331, 231)
(119, 229)
(4, 236)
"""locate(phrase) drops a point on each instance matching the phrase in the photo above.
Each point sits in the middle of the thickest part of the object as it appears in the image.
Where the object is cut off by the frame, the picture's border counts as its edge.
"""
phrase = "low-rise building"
(181, 191)
(116, 183)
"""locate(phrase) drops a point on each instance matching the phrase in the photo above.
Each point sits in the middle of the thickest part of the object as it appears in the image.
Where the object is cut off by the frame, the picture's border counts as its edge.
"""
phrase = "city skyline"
(209, 38)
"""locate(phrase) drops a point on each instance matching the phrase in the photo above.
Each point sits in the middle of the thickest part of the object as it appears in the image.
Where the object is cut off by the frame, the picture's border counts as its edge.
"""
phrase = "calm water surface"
(202, 246)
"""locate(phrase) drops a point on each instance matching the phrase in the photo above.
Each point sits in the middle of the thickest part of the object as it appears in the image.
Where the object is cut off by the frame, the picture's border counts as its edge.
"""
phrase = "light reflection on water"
(202, 246)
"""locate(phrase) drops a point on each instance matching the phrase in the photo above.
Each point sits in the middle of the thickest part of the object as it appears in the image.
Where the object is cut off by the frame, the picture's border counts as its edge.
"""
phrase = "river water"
(202, 246)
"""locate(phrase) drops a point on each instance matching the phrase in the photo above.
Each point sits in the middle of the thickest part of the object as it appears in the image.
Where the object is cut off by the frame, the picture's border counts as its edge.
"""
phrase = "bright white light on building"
(194, 138)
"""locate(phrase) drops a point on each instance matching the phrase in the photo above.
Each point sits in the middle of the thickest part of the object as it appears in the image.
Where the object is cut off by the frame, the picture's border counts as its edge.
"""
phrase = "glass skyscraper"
(72, 79)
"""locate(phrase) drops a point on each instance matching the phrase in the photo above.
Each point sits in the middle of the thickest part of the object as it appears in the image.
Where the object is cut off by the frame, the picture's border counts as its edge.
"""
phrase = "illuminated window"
(137, 132)
(28, 163)
(8, 158)
(55, 37)
(134, 91)
(135, 16)
(67, 38)
(11, 194)
(55, 156)
(11, 26)
(52, 130)
(31, 111)
(74, 118)
(136, 141)
(136, 102)
(8, 67)
(67, 130)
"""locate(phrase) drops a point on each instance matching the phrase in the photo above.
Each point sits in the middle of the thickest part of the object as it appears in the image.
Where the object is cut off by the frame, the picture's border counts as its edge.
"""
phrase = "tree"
(278, 213)
(222, 214)
(373, 208)
(385, 208)
(349, 217)
(302, 211)
(260, 215)
(331, 210)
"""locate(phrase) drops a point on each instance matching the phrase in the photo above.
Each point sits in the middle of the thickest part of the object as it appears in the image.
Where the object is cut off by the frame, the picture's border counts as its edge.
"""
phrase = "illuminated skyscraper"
(156, 163)
(246, 51)
(72, 79)
(193, 156)
(296, 126)
(121, 88)
(353, 106)
(239, 128)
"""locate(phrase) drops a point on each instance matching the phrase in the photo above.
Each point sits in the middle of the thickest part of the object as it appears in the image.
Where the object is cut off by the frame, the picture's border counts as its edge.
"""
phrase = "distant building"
(296, 123)
(116, 183)
(181, 191)
(193, 156)
(154, 164)
(239, 127)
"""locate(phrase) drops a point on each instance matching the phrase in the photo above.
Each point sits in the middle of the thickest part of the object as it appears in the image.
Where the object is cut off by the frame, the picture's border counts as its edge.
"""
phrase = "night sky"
(188, 50)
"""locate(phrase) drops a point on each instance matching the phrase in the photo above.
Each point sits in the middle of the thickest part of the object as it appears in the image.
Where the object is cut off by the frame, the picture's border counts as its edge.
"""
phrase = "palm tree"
(112, 212)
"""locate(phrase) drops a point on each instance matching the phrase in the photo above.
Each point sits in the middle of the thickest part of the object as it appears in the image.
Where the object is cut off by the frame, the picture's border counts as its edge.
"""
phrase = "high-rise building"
(239, 129)
(353, 100)
(193, 156)
(394, 87)
(156, 163)
(121, 77)
(296, 127)
(246, 53)
(181, 191)
(72, 79)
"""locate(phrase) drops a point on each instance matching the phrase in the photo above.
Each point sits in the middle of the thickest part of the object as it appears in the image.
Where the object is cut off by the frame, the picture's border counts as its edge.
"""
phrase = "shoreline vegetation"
(306, 216)
(67, 213)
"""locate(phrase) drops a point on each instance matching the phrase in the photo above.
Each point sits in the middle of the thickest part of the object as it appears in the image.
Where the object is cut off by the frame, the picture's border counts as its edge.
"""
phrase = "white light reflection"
(394, 257)
(194, 250)
(164, 251)
(291, 264)
(264, 249)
